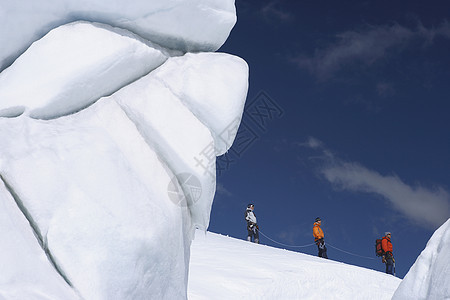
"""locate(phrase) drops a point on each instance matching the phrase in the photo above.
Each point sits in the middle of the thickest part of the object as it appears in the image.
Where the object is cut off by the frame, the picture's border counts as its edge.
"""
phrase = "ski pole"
(394, 269)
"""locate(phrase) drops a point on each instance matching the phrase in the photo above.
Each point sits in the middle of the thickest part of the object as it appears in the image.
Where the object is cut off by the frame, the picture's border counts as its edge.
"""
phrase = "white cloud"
(352, 46)
(272, 11)
(385, 89)
(430, 34)
(366, 47)
(429, 207)
(221, 189)
(312, 142)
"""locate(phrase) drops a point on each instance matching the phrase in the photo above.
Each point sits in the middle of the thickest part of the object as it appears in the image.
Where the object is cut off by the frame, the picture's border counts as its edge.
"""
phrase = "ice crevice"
(152, 145)
(184, 103)
(12, 112)
(42, 241)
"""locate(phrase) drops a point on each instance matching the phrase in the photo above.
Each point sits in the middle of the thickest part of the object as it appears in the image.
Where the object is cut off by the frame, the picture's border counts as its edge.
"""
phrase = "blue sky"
(347, 118)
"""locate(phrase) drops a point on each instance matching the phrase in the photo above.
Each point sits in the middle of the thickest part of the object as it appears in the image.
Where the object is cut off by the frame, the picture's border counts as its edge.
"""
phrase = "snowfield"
(227, 268)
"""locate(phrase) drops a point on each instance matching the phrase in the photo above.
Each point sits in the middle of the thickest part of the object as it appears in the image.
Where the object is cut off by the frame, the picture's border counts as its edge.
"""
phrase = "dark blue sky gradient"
(369, 80)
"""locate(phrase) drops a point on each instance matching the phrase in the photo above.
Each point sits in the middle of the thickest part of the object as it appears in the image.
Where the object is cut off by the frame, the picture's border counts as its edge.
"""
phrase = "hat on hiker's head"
(318, 219)
(386, 233)
(250, 205)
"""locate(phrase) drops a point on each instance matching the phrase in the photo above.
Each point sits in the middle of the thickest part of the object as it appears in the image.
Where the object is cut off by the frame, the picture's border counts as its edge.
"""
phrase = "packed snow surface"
(227, 268)
(429, 277)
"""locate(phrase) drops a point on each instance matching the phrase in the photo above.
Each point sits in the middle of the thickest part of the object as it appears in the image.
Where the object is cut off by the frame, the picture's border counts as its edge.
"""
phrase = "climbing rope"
(286, 245)
(304, 246)
(348, 252)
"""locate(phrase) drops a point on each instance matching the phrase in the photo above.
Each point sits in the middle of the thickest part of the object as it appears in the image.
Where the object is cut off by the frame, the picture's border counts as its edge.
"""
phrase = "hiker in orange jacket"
(388, 257)
(318, 238)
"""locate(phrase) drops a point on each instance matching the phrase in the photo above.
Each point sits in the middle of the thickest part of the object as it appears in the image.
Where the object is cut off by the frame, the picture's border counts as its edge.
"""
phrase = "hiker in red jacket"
(388, 257)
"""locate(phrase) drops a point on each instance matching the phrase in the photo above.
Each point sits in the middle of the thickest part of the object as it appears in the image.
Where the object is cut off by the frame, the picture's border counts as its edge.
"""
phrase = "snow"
(216, 105)
(104, 164)
(177, 124)
(109, 133)
(96, 185)
(429, 277)
(98, 196)
(21, 259)
(186, 25)
(227, 268)
(76, 65)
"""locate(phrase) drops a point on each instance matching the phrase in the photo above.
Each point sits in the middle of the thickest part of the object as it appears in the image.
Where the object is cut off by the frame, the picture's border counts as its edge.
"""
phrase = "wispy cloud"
(272, 11)
(432, 33)
(429, 207)
(366, 47)
(311, 142)
(385, 89)
(221, 189)
(318, 145)
(290, 235)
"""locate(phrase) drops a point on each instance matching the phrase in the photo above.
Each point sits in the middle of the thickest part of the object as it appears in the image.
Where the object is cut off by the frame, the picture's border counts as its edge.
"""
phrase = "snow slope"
(227, 268)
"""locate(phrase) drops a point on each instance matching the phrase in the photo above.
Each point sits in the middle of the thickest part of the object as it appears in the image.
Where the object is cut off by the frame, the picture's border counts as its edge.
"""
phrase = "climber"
(318, 238)
(252, 226)
(388, 257)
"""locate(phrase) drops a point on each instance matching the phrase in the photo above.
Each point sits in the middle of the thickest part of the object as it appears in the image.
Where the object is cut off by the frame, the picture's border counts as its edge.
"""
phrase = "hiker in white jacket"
(252, 226)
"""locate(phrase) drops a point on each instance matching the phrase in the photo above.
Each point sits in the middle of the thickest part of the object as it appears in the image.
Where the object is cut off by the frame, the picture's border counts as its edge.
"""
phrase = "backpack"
(378, 247)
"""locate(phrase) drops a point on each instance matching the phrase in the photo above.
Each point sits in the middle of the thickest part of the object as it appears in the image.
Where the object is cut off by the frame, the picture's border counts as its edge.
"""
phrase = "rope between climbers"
(304, 246)
(286, 245)
(348, 252)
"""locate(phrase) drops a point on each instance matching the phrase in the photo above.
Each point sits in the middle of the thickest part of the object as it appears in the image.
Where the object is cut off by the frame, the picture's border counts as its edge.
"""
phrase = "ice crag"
(186, 25)
(109, 136)
(429, 277)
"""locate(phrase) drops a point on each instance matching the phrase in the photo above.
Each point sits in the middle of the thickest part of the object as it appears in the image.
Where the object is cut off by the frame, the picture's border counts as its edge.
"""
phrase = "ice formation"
(187, 25)
(109, 135)
(429, 277)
